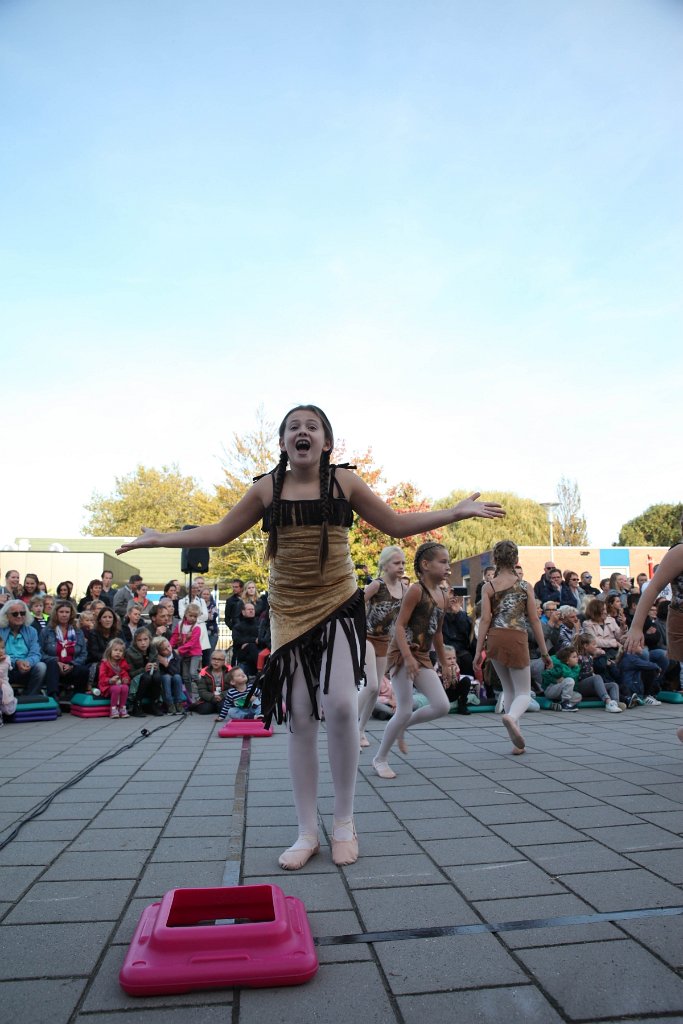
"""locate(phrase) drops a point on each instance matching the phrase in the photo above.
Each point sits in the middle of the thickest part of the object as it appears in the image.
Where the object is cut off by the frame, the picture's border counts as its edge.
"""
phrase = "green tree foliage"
(658, 525)
(163, 498)
(525, 523)
(570, 524)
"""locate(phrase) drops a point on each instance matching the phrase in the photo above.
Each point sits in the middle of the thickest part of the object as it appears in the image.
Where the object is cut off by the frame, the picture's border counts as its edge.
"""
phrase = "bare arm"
(537, 628)
(484, 623)
(670, 567)
(371, 590)
(245, 514)
(376, 512)
(408, 605)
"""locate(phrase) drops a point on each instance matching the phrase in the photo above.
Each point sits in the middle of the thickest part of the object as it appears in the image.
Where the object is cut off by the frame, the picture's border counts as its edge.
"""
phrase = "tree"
(570, 523)
(163, 498)
(525, 523)
(659, 525)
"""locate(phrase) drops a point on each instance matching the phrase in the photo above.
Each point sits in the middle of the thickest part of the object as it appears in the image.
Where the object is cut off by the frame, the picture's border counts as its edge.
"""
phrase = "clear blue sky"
(456, 226)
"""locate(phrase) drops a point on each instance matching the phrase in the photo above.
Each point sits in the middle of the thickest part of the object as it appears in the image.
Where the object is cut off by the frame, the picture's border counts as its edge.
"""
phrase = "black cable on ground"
(43, 806)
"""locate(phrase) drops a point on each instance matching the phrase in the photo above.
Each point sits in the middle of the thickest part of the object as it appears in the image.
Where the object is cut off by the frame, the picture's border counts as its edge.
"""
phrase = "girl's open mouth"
(303, 444)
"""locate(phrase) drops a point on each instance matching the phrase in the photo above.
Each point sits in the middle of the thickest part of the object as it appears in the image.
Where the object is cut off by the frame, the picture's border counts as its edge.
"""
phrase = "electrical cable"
(43, 806)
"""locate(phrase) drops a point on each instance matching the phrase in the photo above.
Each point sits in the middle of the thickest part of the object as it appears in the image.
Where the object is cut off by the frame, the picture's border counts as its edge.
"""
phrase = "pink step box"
(245, 727)
(250, 936)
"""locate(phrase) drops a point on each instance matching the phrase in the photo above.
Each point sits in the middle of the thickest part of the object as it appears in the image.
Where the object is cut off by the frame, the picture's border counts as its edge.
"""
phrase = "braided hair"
(271, 549)
(424, 549)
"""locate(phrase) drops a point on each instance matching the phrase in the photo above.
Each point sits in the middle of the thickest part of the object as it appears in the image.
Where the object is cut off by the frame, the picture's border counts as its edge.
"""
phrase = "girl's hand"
(412, 667)
(633, 641)
(547, 660)
(147, 539)
(470, 508)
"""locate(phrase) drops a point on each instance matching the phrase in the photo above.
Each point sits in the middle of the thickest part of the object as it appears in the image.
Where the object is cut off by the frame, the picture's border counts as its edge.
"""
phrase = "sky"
(457, 227)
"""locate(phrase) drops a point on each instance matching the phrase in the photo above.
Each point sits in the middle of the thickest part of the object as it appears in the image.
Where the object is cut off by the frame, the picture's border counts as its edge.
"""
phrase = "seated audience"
(245, 640)
(93, 592)
(171, 678)
(212, 684)
(589, 683)
(145, 684)
(27, 669)
(64, 652)
(107, 628)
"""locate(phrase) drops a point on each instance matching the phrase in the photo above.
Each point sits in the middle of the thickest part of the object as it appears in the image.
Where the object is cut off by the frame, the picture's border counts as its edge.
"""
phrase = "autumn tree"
(570, 523)
(525, 523)
(163, 498)
(659, 525)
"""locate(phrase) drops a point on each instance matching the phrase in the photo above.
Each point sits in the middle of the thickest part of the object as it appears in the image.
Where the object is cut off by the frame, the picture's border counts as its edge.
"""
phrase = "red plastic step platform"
(177, 947)
(244, 727)
(81, 711)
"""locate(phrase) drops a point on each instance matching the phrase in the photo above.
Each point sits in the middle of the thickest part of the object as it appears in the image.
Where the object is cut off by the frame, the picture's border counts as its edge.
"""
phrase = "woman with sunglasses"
(22, 647)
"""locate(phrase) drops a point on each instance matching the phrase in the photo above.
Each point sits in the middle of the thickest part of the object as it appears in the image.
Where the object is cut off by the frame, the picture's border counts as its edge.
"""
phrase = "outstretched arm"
(245, 514)
(670, 567)
(380, 515)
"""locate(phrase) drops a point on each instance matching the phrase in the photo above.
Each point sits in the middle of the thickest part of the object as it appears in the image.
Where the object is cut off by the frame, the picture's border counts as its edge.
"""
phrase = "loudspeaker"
(194, 559)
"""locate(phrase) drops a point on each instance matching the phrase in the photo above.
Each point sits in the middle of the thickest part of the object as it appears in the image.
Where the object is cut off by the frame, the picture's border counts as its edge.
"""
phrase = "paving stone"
(381, 821)
(317, 891)
(648, 802)
(499, 814)
(481, 797)
(412, 810)
(51, 950)
(427, 965)
(638, 983)
(670, 820)
(59, 902)
(23, 853)
(624, 890)
(121, 864)
(447, 828)
(566, 798)
(46, 831)
(633, 838)
(425, 906)
(338, 993)
(663, 936)
(78, 809)
(129, 819)
(400, 793)
(106, 994)
(177, 850)
(216, 825)
(665, 863)
(165, 1015)
(143, 801)
(595, 817)
(503, 880)
(93, 839)
(536, 832)
(391, 871)
(203, 808)
(478, 850)
(159, 878)
(566, 858)
(517, 1004)
(47, 1002)
(610, 787)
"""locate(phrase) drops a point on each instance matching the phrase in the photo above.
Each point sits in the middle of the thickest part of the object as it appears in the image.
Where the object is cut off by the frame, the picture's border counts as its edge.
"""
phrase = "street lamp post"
(550, 507)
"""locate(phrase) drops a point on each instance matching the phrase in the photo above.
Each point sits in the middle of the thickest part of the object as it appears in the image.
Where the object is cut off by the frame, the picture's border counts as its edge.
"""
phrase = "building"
(600, 562)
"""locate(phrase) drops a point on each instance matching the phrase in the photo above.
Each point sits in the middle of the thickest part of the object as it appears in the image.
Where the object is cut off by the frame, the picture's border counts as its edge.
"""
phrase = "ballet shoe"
(293, 860)
(513, 732)
(345, 851)
(520, 750)
(364, 741)
(383, 769)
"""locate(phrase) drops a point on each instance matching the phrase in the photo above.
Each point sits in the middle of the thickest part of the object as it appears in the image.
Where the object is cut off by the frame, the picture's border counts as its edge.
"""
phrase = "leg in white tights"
(367, 697)
(428, 683)
(516, 683)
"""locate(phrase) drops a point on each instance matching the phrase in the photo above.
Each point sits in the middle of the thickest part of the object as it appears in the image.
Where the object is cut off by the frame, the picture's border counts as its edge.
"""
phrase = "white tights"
(367, 695)
(340, 706)
(516, 683)
(428, 683)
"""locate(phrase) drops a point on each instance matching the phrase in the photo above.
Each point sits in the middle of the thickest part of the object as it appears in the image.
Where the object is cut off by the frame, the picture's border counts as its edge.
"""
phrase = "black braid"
(421, 552)
(324, 505)
(278, 480)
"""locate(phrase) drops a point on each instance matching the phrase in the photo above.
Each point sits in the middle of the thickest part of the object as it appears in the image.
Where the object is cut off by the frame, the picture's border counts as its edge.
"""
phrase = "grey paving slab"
(143, 1014)
(40, 1001)
(424, 906)
(481, 797)
(427, 965)
(317, 891)
(663, 936)
(665, 863)
(21, 853)
(515, 1004)
(203, 808)
(499, 814)
(141, 801)
(648, 802)
(337, 994)
(462, 827)
(529, 833)
(68, 945)
(105, 994)
(672, 821)
(412, 810)
(213, 825)
(566, 858)
(595, 817)
(129, 818)
(57, 902)
(93, 839)
(638, 983)
(567, 797)
(624, 890)
(185, 849)
(478, 850)
(633, 838)
(159, 878)
(392, 871)
(503, 881)
(51, 830)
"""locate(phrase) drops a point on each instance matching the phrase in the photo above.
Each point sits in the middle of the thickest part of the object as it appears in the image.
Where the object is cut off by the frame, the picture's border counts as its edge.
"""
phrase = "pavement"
(548, 887)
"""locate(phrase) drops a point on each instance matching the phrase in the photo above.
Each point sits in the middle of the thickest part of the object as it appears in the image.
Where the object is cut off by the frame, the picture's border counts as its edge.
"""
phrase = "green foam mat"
(670, 697)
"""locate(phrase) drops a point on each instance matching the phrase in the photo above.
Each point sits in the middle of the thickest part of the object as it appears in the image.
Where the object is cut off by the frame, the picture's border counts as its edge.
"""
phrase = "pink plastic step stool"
(177, 947)
(83, 711)
(245, 727)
